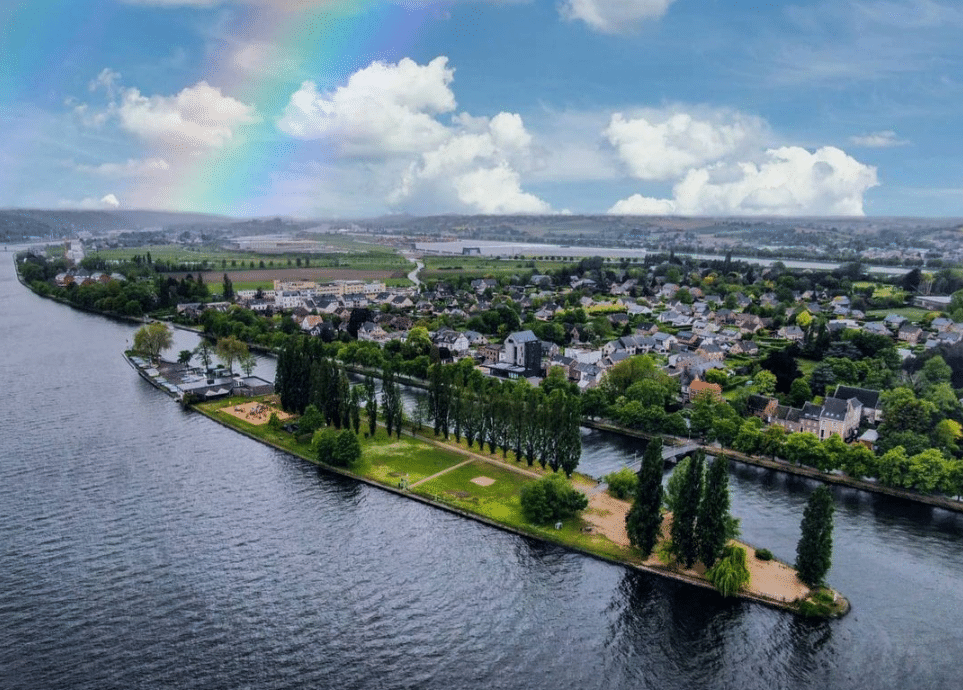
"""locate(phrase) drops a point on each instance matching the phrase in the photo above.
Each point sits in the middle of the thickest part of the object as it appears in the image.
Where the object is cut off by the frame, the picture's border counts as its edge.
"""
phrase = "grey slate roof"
(869, 398)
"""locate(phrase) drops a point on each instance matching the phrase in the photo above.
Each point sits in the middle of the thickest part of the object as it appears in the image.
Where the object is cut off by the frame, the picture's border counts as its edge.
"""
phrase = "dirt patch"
(459, 494)
(255, 412)
(772, 579)
(483, 481)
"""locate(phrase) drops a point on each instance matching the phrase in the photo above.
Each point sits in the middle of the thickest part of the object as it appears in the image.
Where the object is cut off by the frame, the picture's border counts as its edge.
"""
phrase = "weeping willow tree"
(730, 574)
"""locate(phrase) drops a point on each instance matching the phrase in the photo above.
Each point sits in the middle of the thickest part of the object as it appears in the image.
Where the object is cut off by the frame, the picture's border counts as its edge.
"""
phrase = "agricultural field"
(364, 257)
(263, 277)
(441, 267)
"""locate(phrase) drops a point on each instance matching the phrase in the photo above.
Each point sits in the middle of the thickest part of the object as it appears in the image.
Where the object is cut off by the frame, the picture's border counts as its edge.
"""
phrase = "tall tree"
(356, 409)
(205, 352)
(228, 289)
(153, 339)
(644, 519)
(371, 406)
(712, 527)
(814, 551)
(230, 350)
(684, 541)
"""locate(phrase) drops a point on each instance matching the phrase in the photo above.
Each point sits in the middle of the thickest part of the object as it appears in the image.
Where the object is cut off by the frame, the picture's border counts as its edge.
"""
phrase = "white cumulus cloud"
(614, 16)
(398, 118)
(199, 116)
(383, 109)
(660, 145)
(91, 203)
(475, 169)
(786, 181)
(638, 205)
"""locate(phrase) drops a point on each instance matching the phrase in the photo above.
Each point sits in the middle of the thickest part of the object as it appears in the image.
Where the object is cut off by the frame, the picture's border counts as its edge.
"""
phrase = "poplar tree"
(371, 407)
(568, 451)
(684, 541)
(644, 519)
(712, 527)
(814, 551)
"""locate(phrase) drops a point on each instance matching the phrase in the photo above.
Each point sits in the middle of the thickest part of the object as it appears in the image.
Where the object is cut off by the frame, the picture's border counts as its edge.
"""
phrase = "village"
(740, 355)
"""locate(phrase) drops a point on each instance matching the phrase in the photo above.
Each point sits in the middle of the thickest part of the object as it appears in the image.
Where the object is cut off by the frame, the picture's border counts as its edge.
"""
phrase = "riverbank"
(781, 466)
(789, 468)
(484, 488)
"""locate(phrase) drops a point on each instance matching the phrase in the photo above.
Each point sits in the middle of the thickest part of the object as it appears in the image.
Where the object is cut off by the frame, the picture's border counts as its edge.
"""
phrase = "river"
(144, 546)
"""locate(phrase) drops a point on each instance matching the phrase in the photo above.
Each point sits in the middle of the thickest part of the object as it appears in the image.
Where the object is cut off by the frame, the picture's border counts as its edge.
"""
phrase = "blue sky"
(348, 108)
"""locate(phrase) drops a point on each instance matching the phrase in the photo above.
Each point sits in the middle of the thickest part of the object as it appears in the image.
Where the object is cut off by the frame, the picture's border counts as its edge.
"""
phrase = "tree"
(815, 548)
(371, 406)
(622, 484)
(730, 573)
(347, 449)
(324, 443)
(248, 362)
(644, 519)
(765, 383)
(153, 339)
(551, 498)
(712, 531)
(230, 350)
(310, 421)
(204, 352)
(799, 392)
(184, 357)
(228, 289)
(684, 541)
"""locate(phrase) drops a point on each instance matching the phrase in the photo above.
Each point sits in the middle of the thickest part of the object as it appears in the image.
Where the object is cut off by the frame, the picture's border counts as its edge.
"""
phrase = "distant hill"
(26, 224)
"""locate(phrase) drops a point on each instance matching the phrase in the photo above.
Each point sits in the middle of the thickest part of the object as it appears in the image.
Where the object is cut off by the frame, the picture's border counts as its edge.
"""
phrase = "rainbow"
(331, 39)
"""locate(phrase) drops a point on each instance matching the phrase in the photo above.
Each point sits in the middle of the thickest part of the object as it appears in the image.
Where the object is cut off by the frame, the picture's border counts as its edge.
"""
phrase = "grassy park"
(489, 487)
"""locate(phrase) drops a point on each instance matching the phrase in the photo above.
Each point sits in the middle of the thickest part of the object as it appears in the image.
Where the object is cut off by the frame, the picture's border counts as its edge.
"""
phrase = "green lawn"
(440, 267)
(362, 257)
(914, 314)
(806, 366)
(387, 461)
(500, 501)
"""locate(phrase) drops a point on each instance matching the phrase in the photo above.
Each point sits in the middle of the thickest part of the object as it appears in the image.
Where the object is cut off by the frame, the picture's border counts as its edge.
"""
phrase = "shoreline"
(596, 424)
(797, 470)
(544, 535)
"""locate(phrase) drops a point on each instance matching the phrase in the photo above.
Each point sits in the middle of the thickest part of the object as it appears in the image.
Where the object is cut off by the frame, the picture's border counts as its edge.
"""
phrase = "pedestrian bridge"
(671, 455)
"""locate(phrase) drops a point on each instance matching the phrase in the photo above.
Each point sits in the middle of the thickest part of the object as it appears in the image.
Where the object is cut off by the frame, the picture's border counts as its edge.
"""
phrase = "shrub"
(551, 498)
(764, 554)
(622, 484)
(311, 420)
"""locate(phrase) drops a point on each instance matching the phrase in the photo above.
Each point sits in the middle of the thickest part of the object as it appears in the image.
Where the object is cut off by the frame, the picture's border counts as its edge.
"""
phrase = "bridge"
(671, 455)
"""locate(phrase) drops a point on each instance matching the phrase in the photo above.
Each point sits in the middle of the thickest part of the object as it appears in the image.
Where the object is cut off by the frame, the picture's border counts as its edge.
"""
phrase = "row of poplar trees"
(536, 425)
(306, 376)
(701, 523)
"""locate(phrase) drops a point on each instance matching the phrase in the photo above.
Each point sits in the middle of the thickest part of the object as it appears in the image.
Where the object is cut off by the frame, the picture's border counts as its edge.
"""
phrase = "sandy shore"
(769, 579)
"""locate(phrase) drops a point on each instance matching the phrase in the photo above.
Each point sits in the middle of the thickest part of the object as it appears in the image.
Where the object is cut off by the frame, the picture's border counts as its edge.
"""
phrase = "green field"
(914, 314)
(500, 501)
(360, 257)
(388, 461)
(441, 267)
(879, 289)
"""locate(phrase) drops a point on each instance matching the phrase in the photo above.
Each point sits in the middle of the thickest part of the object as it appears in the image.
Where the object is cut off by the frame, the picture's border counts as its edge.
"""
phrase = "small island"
(532, 499)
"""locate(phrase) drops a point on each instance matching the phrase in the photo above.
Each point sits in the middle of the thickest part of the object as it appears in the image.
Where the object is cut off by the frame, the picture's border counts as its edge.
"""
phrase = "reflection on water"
(144, 546)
